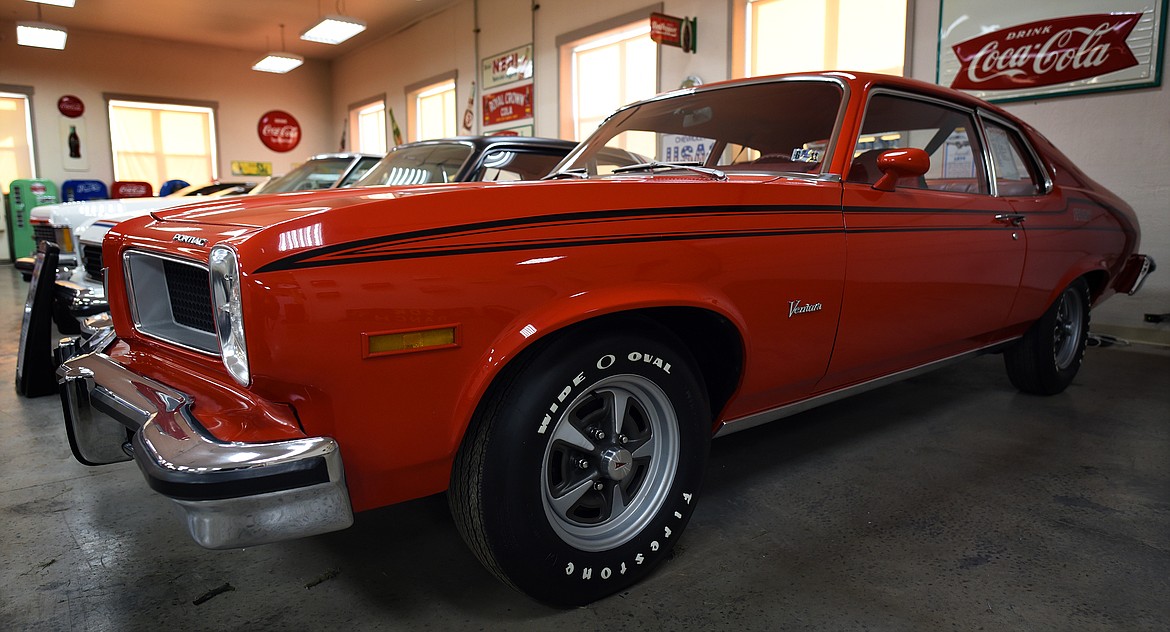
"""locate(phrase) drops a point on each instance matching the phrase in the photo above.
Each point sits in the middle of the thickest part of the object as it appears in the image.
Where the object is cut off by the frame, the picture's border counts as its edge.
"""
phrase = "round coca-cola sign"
(70, 106)
(279, 131)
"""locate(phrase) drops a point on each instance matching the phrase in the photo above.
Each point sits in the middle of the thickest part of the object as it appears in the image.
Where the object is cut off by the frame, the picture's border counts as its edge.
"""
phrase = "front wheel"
(583, 465)
(1047, 358)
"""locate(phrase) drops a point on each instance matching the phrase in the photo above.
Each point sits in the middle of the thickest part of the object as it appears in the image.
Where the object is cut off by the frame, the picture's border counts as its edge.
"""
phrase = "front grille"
(190, 292)
(171, 300)
(92, 260)
(45, 232)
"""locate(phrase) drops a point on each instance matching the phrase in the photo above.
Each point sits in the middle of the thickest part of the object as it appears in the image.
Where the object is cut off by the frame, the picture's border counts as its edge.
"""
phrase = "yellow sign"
(248, 168)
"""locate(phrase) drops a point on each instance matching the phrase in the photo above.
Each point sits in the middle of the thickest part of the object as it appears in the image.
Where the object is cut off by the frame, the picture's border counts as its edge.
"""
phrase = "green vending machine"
(23, 196)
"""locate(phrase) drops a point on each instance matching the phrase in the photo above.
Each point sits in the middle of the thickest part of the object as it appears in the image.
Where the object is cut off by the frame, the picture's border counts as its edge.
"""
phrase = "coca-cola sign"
(1046, 53)
(279, 131)
(1007, 50)
(70, 106)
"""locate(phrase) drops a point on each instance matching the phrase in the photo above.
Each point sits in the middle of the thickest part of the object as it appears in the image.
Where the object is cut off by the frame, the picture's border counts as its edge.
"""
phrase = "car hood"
(74, 213)
(263, 210)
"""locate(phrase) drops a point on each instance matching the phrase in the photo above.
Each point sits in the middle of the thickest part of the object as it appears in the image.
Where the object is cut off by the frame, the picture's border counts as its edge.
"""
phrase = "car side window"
(1015, 175)
(947, 135)
(363, 165)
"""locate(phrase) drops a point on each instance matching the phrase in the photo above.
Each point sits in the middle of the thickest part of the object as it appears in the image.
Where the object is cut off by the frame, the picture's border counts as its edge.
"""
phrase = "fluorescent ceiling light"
(57, 3)
(334, 29)
(41, 35)
(278, 62)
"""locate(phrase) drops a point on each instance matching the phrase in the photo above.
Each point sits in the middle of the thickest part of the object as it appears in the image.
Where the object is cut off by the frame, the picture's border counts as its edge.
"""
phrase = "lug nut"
(597, 434)
(598, 486)
(582, 464)
(623, 439)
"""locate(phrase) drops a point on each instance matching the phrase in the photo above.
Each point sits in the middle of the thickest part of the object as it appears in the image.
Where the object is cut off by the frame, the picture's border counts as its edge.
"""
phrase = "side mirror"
(900, 163)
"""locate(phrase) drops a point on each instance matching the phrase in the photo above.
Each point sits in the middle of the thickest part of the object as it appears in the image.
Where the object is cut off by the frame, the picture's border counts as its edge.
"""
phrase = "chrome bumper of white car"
(233, 494)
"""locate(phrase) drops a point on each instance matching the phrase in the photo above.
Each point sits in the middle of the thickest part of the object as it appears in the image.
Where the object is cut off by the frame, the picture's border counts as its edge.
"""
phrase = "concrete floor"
(945, 502)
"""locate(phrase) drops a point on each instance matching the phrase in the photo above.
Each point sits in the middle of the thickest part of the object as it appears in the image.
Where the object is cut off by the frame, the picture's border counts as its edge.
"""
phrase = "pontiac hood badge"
(188, 239)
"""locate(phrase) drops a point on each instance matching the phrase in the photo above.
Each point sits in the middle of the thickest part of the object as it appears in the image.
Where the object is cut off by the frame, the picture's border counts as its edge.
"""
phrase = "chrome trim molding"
(758, 419)
(102, 400)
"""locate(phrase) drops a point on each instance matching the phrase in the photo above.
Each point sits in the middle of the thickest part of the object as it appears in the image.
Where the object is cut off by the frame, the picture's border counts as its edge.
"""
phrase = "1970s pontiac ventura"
(557, 355)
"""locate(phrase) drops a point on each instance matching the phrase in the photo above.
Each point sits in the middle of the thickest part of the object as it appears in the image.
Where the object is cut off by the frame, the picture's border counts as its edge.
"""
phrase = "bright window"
(156, 142)
(16, 150)
(368, 127)
(778, 36)
(603, 72)
(432, 109)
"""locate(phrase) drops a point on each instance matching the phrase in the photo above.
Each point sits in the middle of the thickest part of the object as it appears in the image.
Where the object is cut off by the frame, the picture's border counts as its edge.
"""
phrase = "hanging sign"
(508, 105)
(671, 31)
(1004, 50)
(70, 106)
(279, 131)
(507, 67)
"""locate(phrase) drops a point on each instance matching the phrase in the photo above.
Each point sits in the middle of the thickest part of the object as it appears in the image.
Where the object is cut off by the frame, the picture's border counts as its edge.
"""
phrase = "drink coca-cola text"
(1046, 53)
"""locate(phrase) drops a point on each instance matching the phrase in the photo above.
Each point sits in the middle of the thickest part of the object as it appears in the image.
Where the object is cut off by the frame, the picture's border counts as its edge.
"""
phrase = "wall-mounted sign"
(251, 168)
(1005, 50)
(523, 130)
(507, 67)
(671, 31)
(279, 131)
(74, 151)
(70, 106)
(504, 106)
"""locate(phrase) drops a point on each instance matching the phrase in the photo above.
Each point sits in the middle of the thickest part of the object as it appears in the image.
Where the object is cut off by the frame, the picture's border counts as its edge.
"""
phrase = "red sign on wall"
(503, 106)
(70, 106)
(279, 131)
(1046, 53)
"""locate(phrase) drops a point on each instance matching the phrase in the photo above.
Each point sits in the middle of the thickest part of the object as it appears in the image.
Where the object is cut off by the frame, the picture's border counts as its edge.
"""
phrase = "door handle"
(1011, 219)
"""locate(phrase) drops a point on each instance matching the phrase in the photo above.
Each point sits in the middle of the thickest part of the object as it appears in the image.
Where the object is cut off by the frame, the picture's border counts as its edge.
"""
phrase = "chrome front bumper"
(232, 494)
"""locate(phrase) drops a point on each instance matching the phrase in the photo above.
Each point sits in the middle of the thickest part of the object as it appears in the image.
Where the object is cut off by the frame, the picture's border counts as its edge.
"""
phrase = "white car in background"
(59, 223)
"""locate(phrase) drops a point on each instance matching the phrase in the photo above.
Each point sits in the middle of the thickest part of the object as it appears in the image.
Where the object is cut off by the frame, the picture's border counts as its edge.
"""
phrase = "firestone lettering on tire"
(639, 558)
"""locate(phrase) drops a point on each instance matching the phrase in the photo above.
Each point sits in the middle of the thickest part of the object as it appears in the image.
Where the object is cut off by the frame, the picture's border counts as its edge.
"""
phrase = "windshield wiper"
(689, 166)
(579, 172)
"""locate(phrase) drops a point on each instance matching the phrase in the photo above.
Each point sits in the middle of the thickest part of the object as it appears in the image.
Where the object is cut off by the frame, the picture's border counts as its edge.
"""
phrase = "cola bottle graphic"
(74, 142)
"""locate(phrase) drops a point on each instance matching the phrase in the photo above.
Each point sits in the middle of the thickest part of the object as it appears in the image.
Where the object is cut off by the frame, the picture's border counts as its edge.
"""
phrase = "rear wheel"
(583, 466)
(1047, 358)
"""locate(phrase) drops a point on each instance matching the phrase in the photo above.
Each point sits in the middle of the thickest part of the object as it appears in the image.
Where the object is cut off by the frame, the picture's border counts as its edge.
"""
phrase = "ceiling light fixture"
(279, 62)
(40, 34)
(68, 4)
(334, 29)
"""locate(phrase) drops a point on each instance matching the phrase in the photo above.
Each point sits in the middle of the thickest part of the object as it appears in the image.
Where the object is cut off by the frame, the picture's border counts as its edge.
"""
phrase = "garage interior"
(948, 500)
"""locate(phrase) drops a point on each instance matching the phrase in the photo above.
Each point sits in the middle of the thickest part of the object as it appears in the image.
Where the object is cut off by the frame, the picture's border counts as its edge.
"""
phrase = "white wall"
(440, 44)
(94, 64)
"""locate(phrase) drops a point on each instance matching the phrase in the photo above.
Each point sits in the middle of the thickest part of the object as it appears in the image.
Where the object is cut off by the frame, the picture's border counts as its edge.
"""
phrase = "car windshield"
(419, 164)
(319, 173)
(769, 127)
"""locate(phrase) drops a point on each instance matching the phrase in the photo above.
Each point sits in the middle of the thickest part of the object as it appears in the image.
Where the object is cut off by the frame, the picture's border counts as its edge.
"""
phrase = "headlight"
(229, 313)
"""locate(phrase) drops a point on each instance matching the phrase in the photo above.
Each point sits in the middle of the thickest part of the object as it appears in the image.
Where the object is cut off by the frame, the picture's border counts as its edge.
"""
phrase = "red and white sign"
(1046, 53)
(507, 105)
(279, 131)
(666, 29)
(1007, 50)
(70, 106)
(130, 189)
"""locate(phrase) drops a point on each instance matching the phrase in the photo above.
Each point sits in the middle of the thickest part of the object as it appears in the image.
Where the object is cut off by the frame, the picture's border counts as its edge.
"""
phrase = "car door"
(932, 267)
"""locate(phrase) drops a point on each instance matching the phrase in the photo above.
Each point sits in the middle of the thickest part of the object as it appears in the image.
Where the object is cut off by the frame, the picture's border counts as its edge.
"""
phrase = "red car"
(557, 355)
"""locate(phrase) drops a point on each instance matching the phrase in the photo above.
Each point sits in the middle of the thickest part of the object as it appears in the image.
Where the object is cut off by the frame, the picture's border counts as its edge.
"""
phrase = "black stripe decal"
(411, 245)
